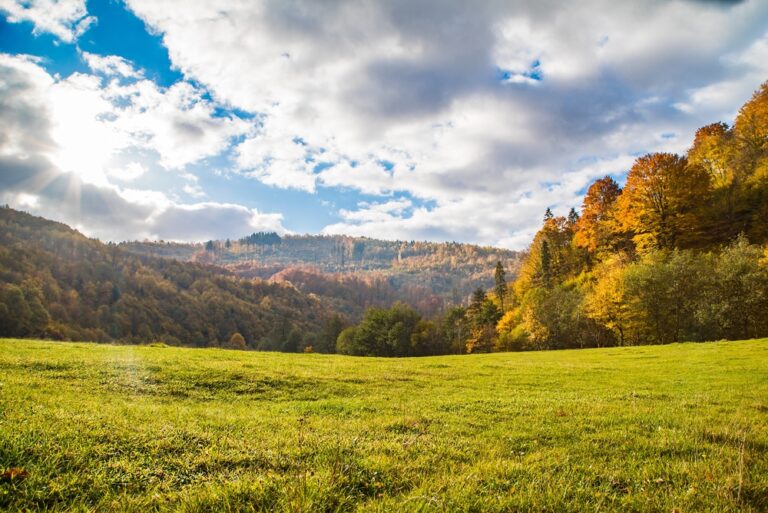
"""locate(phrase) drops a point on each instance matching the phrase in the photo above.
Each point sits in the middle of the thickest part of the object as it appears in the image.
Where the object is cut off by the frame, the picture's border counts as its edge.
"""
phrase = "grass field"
(119, 428)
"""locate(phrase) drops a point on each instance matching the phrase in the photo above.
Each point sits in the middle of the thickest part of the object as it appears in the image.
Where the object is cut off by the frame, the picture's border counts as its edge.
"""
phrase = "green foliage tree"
(456, 328)
(500, 283)
(383, 332)
(330, 333)
(292, 341)
(662, 291)
(16, 316)
(347, 343)
(736, 301)
(573, 217)
(483, 315)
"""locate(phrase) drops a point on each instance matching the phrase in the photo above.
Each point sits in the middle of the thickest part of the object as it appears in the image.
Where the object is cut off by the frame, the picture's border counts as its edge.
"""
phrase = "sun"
(83, 130)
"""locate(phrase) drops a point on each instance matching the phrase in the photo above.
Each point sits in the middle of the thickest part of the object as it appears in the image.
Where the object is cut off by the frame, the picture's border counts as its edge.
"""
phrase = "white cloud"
(110, 65)
(65, 19)
(421, 85)
(369, 177)
(204, 221)
(94, 117)
(487, 111)
(58, 138)
(129, 172)
(276, 157)
(721, 99)
(194, 190)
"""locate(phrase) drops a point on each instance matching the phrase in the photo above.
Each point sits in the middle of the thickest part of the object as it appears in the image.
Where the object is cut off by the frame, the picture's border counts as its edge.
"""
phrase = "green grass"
(682, 428)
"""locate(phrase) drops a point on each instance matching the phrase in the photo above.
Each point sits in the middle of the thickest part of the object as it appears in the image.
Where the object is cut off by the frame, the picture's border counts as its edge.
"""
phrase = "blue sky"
(403, 120)
(118, 31)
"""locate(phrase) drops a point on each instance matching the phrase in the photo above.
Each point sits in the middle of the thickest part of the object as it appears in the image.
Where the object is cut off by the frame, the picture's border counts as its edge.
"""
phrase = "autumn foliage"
(678, 254)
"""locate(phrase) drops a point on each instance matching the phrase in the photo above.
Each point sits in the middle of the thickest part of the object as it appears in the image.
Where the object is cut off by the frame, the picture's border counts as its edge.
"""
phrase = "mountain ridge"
(57, 283)
(429, 275)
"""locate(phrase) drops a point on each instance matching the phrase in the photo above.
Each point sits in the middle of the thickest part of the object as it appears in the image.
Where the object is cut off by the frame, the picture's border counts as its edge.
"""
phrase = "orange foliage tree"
(659, 203)
(596, 227)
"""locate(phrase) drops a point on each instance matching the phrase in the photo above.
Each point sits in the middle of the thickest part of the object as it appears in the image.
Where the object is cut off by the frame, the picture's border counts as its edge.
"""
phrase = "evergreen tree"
(478, 298)
(546, 264)
(573, 217)
(500, 278)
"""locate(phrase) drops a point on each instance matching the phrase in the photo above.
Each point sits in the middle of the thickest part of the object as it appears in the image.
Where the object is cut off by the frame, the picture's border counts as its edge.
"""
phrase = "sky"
(439, 120)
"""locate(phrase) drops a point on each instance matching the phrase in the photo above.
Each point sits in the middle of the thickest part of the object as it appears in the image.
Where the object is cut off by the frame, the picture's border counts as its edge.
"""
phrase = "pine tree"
(500, 277)
(546, 264)
(478, 298)
(573, 217)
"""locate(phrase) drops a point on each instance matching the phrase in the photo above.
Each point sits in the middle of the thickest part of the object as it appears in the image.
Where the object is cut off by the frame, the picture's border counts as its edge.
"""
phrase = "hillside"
(123, 428)
(678, 252)
(56, 283)
(428, 275)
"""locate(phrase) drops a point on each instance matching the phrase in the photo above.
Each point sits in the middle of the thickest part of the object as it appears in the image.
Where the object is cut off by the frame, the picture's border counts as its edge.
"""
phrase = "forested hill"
(428, 275)
(679, 253)
(56, 283)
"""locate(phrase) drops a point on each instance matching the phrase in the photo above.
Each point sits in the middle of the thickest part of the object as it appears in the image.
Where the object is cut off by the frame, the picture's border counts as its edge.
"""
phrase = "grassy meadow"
(86, 427)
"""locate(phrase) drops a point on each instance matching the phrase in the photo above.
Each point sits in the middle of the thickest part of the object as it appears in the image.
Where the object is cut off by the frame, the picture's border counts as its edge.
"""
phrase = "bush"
(236, 341)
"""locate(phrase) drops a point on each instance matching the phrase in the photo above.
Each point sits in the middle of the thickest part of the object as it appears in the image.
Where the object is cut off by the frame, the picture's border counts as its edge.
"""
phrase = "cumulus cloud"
(81, 122)
(46, 167)
(202, 221)
(277, 158)
(65, 19)
(129, 172)
(483, 113)
(491, 111)
(110, 65)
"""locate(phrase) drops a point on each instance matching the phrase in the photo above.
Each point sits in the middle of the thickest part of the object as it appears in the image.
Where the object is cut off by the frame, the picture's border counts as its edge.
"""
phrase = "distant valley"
(263, 292)
(353, 273)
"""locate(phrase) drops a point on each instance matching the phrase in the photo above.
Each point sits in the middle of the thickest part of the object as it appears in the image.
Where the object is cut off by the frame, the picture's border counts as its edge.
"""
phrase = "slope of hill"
(55, 282)
(122, 428)
(428, 275)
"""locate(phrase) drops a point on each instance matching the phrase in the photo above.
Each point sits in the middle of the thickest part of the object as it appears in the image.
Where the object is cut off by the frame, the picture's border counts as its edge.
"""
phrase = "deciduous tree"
(661, 201)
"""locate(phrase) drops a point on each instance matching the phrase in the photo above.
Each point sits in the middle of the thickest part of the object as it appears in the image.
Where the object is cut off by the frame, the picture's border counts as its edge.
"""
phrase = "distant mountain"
(56, 283)
(365, 272)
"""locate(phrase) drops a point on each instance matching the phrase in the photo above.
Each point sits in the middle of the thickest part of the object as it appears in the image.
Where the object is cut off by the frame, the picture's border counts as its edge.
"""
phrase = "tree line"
(57, 284)
(677, 254)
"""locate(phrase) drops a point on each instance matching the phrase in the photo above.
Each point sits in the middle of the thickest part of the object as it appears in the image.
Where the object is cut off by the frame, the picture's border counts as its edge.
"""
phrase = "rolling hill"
(427, 275)
(57, 283)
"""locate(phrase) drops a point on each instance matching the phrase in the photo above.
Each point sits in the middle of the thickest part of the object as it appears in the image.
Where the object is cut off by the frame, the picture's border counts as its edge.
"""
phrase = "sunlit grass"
(124, 428)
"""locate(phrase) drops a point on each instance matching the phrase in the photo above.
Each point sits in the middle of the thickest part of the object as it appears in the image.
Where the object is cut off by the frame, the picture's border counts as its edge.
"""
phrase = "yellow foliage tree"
(596, 228)
(606, 302)
(751, 125)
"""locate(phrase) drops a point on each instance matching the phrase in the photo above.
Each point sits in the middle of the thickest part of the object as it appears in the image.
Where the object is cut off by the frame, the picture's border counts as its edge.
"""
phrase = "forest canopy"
(56, 283)
(678, 253)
